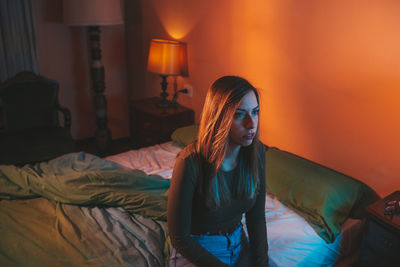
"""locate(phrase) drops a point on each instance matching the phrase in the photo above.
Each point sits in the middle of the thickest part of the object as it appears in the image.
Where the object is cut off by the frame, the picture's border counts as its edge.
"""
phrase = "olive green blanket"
(81, 210)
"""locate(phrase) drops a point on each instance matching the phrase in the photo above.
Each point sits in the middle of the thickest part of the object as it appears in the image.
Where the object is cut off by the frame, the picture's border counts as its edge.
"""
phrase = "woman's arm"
(255, 221)
(179, 214)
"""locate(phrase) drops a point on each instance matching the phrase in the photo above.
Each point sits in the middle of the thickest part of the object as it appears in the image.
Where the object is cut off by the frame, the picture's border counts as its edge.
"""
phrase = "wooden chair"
(30, 130)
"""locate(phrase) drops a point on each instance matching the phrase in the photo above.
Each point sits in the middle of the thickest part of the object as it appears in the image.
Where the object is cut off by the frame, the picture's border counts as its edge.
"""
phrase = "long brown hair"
(222, 100)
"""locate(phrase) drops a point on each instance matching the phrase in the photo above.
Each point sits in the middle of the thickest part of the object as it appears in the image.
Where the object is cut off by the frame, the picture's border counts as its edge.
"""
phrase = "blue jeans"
(226, 248)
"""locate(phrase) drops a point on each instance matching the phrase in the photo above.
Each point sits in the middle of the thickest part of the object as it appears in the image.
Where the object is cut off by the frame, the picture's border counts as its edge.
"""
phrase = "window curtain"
(18, 51)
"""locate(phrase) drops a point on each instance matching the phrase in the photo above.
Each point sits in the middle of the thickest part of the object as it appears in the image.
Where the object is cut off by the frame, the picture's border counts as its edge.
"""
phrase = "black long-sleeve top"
(187, 212)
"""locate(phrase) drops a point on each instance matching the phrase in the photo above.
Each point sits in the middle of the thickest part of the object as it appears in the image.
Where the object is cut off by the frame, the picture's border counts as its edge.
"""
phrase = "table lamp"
(167, 58)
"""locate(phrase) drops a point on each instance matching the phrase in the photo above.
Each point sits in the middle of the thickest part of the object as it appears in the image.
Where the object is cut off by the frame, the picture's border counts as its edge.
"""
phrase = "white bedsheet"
(158, 159)
(292, 241)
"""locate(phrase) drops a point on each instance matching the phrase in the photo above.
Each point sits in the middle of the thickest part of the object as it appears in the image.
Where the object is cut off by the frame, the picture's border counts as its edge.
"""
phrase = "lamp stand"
(164, 103)
(103, 134)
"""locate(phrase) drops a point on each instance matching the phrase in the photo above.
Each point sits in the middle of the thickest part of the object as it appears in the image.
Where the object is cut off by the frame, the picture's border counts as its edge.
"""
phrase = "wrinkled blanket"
(81, 210)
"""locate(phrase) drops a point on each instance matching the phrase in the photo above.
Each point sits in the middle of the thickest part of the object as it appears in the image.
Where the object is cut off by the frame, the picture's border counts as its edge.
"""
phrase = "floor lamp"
(93, 14)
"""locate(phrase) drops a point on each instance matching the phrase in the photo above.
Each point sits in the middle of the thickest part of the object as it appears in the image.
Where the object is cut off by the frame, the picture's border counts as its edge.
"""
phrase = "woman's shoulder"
(262, 148)
(188, 151)
(190, 156)
(188, 160)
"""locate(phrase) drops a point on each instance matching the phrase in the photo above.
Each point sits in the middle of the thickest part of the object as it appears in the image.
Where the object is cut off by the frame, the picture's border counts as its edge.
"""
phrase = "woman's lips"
(249, 136)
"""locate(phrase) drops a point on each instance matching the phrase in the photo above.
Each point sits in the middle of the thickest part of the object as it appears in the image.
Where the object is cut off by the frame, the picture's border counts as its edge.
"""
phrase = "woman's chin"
(247, 142)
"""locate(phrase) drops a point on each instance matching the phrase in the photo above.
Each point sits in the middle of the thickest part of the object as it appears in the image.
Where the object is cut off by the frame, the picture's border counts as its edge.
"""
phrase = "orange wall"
(328, 72)
(64, 56)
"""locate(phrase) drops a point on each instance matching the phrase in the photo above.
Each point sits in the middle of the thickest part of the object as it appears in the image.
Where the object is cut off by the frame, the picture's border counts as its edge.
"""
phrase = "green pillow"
(324, 197)
(185, 135)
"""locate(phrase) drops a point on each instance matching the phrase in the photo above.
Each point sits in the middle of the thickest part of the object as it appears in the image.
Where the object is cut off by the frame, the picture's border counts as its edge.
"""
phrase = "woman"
(219, 178)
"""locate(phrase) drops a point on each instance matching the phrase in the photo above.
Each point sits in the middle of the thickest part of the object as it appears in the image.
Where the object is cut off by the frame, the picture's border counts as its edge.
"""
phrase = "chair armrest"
(67, 117)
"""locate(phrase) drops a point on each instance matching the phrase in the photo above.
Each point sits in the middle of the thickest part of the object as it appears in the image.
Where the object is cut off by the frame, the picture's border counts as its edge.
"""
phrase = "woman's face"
(245, 121)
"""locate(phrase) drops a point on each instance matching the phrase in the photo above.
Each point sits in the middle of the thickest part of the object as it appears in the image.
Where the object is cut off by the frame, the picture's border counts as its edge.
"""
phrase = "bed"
(79, 209)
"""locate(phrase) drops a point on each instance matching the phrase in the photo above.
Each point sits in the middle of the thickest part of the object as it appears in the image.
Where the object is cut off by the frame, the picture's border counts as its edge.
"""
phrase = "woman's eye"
(255, 112)
(239, 115)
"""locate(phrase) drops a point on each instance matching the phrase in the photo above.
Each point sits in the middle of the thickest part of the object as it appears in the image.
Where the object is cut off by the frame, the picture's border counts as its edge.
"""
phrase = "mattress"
(292, 241)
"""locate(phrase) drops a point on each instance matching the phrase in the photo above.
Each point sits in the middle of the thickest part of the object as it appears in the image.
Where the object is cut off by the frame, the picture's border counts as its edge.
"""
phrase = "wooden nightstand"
(151, 124)
(381, 239)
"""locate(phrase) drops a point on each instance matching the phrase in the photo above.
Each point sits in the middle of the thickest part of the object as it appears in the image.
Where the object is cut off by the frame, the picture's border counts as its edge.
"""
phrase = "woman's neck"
(230, 159)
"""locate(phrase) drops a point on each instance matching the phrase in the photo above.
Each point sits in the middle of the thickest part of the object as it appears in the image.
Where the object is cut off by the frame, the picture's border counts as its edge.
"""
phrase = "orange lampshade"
(166, 57)
(92, 12)
(183, 60)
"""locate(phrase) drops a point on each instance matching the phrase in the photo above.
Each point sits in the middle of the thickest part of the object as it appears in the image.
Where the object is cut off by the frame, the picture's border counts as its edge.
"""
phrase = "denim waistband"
(228, 231)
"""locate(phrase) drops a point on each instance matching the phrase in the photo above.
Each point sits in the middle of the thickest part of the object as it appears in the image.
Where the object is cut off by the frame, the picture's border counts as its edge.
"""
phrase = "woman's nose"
(250, 122)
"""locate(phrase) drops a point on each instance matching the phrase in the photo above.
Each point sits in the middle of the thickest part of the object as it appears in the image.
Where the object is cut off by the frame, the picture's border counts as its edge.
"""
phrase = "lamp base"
(103, 133)
(164, 103)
